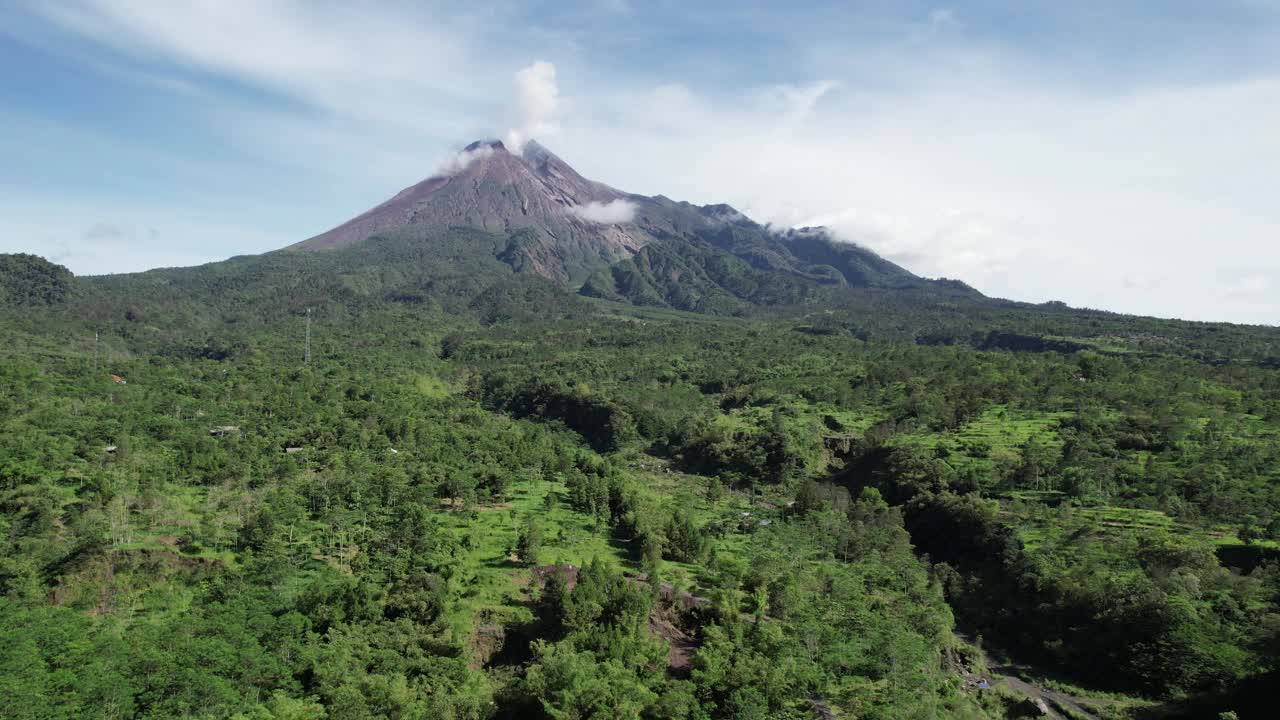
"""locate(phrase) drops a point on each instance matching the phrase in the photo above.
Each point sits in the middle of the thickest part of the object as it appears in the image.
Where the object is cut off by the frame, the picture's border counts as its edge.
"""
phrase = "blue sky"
(1115, 155)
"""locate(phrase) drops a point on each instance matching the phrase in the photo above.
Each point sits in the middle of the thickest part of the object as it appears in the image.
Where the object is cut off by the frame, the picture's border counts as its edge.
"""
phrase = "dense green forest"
(489, 497)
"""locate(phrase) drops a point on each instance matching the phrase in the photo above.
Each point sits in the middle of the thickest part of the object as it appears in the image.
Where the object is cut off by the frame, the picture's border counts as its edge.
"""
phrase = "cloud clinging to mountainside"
(610, 213)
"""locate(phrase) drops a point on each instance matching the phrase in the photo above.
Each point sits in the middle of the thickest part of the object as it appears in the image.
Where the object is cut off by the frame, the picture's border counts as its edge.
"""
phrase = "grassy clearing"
(432, 388)
(494, 578)
(1036, 524)
(1106, 344)
(993, 440)
(1001, 428)
(852, 422)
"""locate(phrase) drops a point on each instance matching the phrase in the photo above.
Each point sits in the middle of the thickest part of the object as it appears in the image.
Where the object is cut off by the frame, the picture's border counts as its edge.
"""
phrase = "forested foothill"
(489, 497)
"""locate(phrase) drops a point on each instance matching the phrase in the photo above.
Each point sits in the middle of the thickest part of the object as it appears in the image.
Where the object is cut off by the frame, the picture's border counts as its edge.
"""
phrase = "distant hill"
(32, 281)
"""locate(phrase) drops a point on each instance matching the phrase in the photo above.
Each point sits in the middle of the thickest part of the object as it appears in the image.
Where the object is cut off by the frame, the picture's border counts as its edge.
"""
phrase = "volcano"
(573, 225)
(552, 222)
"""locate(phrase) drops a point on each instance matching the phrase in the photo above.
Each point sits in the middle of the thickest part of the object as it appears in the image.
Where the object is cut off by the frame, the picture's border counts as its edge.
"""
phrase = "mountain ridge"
(579, 227)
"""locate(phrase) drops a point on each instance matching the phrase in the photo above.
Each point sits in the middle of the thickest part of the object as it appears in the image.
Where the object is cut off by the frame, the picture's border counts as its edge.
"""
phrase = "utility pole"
(307, 356)
(95, 352)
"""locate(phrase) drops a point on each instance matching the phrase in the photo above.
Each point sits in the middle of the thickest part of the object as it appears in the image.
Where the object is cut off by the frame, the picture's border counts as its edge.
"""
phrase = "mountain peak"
(534, 150)
(488, 187)
(490, 144)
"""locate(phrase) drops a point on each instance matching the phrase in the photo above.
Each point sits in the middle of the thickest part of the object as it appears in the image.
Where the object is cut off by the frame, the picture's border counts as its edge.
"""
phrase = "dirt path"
(1053, 703)
(1059, 704)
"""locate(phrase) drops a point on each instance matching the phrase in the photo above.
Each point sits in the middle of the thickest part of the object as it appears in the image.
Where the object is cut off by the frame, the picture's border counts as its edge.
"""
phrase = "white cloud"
(796, 103)
(459, 161)
(384, 68)
(611, 213)
(941, 19)
(1136, 281)
(947, 243)
(1248, 286)
(1023, 188)
(533, 109)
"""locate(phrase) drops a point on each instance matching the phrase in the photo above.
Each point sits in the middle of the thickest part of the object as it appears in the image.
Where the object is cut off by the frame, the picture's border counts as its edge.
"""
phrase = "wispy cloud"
(1248, 286)
(459, 162)
(1136, 281)
(942, 19)
(533, 109)
(941, 243)
(103, 231)
(99, 248)
(338, 58)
